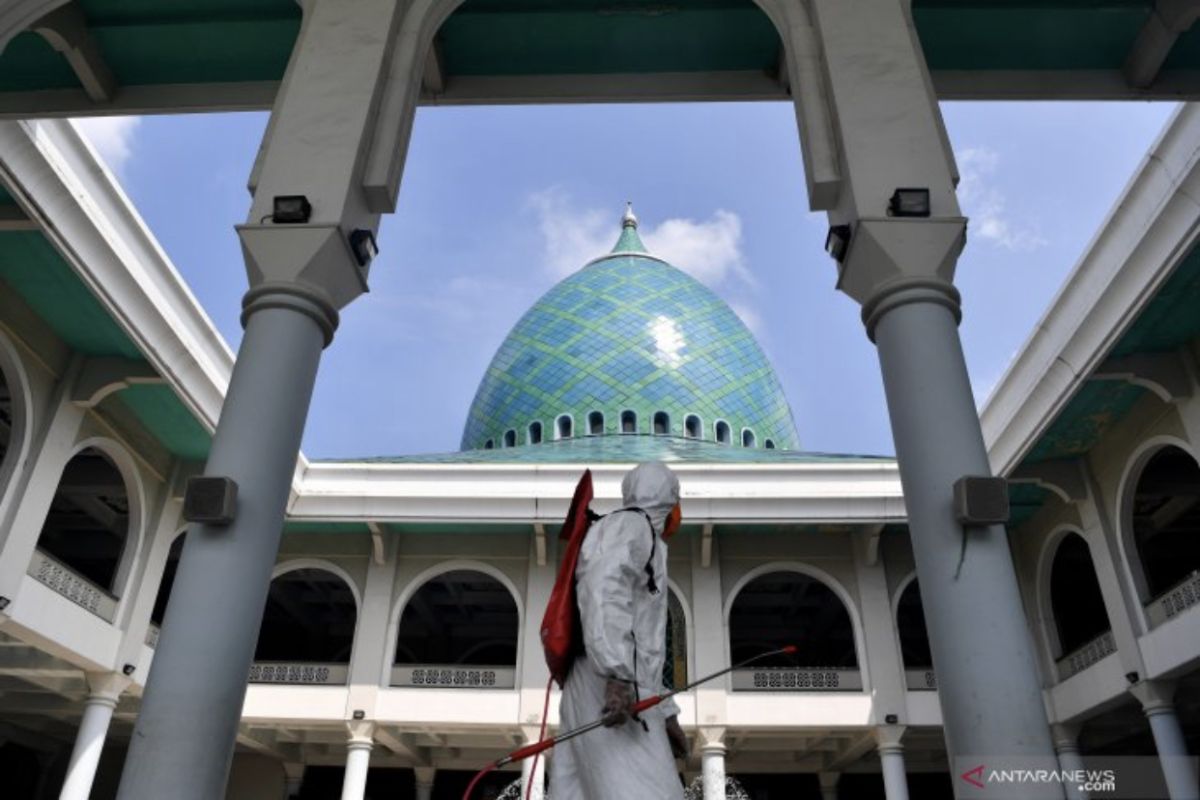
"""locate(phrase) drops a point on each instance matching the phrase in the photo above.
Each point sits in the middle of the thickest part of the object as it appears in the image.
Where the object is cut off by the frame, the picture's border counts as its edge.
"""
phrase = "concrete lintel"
(403, 745)
(869, 537)
(1165, 374)
(65, 28)
(104, 375)
(1061, 476)
(1156, 39)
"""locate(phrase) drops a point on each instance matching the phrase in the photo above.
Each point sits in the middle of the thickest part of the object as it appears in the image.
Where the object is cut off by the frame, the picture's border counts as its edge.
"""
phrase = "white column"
(1066, 745)
(829, 783)
(712, 762)
(104, 689)
(891, 760)
(535, 773)
(358, 759)
(1156, 699)
(425, 776)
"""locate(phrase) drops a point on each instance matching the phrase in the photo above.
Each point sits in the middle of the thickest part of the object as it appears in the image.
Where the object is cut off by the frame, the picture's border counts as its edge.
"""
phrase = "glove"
(618, 703)
(677, 738)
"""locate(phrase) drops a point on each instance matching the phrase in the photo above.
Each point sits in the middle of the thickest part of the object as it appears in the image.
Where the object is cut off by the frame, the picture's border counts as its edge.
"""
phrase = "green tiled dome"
(630, 333)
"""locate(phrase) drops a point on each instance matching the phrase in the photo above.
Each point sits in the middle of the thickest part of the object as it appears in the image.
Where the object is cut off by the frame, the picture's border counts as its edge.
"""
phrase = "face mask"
(673, 520)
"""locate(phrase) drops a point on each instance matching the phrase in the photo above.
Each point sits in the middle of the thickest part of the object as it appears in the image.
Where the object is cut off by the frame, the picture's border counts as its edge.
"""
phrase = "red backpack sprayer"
(562, 641)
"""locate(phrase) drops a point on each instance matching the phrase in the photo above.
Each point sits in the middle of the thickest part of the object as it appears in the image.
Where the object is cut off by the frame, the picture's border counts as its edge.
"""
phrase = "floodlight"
(362, 242)
(291, 209)
(837, 242)
(909, 203)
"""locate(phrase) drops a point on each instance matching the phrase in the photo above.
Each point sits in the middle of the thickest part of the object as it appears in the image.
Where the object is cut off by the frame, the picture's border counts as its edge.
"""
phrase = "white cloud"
(984, 203)
(752, 319)
(709, 250)
(112, 137)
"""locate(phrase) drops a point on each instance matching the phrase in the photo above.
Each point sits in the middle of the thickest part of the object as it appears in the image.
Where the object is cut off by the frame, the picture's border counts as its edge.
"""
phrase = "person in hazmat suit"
(621, 589)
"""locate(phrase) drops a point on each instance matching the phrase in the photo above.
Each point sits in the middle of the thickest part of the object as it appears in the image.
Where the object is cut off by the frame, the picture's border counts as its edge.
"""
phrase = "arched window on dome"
(769, 444)
(692, 428)
(489, 444)
(535, 433)
(723, 434)
(628, 422)
(564, 427)
(662, 423)
(748, 439)
(595, 423)
(510, 438)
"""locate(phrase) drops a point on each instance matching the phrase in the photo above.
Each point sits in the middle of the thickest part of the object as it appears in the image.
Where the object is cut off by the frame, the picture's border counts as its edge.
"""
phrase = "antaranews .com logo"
(1106, 777)
(1093, 782)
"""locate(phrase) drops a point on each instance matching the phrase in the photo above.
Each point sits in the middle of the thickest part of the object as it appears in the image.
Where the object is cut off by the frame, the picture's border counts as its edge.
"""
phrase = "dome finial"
(629, 220)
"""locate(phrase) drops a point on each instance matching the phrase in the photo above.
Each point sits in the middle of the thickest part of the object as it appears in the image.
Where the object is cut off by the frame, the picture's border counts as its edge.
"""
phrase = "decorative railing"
(299, 673)
(797, 679)
(152, 636)
(449, 676)
(917, 680)
(1085, 656)
(79, 590)
(1178, 598)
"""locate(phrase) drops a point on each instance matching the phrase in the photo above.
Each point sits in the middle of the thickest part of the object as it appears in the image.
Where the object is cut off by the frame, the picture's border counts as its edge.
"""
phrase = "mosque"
(150, 489)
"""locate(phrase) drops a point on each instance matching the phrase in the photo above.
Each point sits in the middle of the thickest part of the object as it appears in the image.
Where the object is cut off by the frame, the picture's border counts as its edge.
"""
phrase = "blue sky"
(499, 203)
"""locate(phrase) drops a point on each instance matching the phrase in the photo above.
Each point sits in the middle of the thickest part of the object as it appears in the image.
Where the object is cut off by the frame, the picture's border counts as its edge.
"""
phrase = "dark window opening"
(691, 426)
(462, 618)
(310, 617)
(628, 422)
(675, 663)
(565, 427)
(1166, 519)
(747, 437)
(88, 523)
(769, 444)
(535, 433)
(910, 624)
(510, 438)
(722, 432)
(595, 423)
(6, 417)
(662, 423)
(782, 608)
(1075, 597)
(168, 581)
(488, 445)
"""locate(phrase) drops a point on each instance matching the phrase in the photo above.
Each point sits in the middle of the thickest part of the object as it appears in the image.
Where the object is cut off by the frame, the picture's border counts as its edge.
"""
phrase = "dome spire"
(629, 242)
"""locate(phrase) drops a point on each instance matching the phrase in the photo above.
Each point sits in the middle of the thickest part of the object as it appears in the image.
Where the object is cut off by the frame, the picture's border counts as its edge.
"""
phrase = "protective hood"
(653, 487)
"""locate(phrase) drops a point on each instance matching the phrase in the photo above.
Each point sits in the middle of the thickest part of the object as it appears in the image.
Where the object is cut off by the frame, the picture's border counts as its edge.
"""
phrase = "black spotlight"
(909, 203)
(837, 242)
(359, 713)
(291, 209)
(1132, 677)
(128, 669)
(362, 242)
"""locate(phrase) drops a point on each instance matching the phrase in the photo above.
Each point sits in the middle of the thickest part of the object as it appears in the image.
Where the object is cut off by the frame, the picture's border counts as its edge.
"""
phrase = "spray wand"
(522, 753)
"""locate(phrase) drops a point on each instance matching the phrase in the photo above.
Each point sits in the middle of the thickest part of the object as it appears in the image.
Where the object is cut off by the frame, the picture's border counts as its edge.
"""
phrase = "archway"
(88, 525)
(459, 628)
(1164, 515)
(787, 607)
(309, 618)
(1076, 602)
(675, 672)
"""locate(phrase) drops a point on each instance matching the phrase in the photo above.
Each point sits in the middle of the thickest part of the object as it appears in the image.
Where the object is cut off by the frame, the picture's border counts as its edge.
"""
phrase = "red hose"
(475, 781)
(541, 737)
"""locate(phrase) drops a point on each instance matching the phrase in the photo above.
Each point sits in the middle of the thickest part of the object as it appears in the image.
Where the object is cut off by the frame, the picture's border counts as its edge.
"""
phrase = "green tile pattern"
(621, 449)
(629, 332)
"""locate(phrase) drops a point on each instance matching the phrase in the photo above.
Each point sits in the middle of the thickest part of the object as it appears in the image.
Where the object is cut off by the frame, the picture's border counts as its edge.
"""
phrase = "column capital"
(888, 737)
(425, 775)
(710, 740)
(361, 734)
(828, 780)
(105, 687)
(1156, 696)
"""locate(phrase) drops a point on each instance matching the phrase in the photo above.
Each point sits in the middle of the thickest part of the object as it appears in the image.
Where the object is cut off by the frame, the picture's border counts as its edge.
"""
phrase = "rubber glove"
(618, 703)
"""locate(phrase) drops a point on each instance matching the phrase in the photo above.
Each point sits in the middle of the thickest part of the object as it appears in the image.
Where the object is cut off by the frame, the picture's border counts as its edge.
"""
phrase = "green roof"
(621, 449)
(629, 335)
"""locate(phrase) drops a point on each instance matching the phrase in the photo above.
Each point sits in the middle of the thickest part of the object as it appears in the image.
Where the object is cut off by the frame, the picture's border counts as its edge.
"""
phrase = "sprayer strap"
(651, 582)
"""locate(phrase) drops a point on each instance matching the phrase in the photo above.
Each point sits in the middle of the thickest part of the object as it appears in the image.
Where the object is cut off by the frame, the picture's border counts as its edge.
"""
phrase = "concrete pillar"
(535, 774)
(104, 688)
(358, 760)
(425, 777)
(1066, 745)
(891, 760)
(712, 762)
(890, 135)
(829, 784)
(293, 779)
(1178, 768)
(318, 144)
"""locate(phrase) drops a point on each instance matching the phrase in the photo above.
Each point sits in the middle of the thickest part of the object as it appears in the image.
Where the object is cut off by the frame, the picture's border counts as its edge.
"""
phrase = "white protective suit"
(621, 617)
